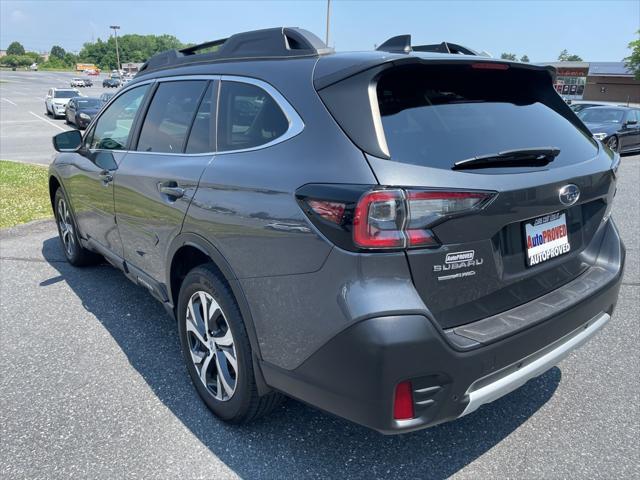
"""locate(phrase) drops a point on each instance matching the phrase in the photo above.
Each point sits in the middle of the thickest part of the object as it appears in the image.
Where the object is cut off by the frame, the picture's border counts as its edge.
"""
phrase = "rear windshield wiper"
(525, 157)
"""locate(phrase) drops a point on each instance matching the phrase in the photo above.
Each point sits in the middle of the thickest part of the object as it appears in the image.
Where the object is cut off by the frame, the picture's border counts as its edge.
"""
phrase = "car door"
(94, 166)
(70, 112)
(633, 127)
(48, 100)
(155, 183)
(626, 132)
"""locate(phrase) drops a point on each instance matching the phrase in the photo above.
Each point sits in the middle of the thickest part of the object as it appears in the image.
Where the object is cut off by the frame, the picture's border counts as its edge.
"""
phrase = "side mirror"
(70, 141)
(632, 122)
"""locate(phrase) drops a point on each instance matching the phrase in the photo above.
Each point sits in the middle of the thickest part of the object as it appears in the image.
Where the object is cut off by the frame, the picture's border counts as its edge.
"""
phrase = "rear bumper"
(354, 374)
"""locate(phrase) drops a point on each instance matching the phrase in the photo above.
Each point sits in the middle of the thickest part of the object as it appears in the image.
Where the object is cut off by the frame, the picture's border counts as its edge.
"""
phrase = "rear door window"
(170, 115)
(202, 135)
(248, 117)
(440, 116)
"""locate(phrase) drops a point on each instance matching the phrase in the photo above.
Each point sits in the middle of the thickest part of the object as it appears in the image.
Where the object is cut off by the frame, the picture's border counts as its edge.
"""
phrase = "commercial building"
(131, 68)
(598, 81)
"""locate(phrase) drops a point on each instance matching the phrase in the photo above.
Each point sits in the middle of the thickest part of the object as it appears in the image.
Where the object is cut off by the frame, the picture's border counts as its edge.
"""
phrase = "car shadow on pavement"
(294, 441)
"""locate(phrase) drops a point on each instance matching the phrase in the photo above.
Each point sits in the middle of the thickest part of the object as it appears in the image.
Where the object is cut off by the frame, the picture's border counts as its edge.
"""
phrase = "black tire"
(76, 254)
(244, 404)
(614, 143)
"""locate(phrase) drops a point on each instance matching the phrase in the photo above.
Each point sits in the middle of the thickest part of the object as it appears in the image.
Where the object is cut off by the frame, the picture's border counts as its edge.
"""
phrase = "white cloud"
(18, 16)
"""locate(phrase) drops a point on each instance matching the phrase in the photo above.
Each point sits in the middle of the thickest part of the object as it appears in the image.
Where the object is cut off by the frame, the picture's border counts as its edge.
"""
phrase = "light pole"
(326, 38)
(115, 29)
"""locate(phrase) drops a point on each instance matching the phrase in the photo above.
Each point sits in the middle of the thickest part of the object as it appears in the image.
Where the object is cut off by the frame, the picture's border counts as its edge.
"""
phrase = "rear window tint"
(170, 115)
(202, 136)
(436, 117)
(248, 117)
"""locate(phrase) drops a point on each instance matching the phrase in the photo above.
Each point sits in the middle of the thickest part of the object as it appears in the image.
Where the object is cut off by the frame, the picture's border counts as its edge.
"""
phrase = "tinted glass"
(440, 116)
(202, 136)
(170, 115)
(88, 102)
(601, 115)
(248, 117)
(66, 93)
(114, 125)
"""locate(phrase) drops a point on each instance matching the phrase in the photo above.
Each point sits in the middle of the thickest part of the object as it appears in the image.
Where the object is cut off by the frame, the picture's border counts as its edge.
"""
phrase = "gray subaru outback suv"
(396, 236)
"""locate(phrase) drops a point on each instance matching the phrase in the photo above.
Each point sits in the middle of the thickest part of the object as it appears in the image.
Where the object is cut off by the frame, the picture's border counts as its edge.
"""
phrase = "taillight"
(379, 219)
(357, 218)
(403, 402)
(330, 211)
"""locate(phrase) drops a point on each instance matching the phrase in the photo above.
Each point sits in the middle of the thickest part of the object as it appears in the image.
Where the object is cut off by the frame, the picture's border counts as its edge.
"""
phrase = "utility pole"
(115, 29)
(326, 38)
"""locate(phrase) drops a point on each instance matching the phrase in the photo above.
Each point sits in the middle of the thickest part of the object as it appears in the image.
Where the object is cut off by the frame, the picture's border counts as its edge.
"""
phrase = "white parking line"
(49, 122)
(9, 101)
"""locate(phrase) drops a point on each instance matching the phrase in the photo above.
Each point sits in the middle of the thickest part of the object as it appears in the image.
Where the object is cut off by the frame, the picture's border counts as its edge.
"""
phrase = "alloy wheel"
(67, 233)
(613, 143)
(211, 346)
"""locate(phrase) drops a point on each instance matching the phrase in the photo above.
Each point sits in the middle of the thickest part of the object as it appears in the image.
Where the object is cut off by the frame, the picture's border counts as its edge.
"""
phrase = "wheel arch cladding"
(189, 250)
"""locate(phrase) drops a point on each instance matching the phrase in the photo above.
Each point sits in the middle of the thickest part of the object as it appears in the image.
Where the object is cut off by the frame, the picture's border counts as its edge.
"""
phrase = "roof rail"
(281, 42)
(402, 44)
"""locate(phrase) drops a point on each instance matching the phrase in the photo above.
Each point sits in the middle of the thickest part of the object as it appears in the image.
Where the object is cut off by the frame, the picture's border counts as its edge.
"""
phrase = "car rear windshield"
(601, 115)
(66, 93)
(89, 103)
(438, 115)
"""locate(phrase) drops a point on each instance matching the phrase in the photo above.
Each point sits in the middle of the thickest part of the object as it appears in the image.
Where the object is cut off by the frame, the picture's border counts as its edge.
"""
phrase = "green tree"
(633, 61)
(509, 56)
(133, 48)
(524, 59)
(16, 61)
(566, 57)
(15, 48)
(57, 52)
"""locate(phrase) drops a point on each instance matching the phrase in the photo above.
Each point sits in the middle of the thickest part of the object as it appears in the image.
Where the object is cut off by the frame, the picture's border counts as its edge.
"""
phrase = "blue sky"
(595, 30)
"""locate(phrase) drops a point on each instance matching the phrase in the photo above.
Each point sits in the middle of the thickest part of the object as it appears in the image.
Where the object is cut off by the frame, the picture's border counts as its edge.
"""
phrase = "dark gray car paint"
(297, 291)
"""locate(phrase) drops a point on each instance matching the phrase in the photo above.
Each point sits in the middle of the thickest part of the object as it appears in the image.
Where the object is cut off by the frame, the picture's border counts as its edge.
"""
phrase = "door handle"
(171, 190)
(105, 176)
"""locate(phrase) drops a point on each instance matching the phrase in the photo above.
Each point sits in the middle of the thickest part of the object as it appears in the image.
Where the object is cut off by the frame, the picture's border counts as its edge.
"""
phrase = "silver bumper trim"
(508, 383)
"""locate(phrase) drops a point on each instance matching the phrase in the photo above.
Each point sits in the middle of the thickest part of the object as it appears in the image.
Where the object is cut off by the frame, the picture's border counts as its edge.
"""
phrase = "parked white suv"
(55, 103)
(77, 82)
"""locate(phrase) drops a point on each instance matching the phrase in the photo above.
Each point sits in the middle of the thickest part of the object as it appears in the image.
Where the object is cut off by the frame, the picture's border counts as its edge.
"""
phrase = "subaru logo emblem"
(569, 194)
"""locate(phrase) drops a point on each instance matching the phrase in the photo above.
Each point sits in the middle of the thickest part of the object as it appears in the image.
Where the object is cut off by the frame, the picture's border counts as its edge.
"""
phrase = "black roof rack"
(402, 44)
(281, 42)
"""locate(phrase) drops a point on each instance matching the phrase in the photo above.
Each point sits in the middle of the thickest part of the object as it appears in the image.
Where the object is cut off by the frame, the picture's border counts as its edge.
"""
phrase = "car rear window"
(436, 116)
(249, 117)
(170, 114)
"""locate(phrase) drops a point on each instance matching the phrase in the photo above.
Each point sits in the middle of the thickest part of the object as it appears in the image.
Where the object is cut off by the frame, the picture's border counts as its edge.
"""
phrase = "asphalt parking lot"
(92, 382)
(25, 128)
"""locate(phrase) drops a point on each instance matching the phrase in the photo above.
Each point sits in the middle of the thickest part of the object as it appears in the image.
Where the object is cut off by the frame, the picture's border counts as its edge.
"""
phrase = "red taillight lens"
(364, 217)
(330, 211)
(398, 218)
(403, 402)
(379, 218)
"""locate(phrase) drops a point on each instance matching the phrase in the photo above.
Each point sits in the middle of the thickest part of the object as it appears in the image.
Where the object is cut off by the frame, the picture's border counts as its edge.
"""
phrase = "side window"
(112, 129)
(170, 115)
(202, 135)
(248, 117)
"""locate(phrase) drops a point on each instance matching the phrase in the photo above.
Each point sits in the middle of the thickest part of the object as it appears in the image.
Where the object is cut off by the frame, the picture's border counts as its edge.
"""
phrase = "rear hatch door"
(538, 232)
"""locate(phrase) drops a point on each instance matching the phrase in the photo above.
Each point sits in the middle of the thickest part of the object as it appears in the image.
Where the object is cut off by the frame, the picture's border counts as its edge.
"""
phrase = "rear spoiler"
(402, 44)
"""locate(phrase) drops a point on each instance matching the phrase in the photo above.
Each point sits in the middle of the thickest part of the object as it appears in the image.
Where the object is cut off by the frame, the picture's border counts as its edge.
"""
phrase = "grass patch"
(24, 193)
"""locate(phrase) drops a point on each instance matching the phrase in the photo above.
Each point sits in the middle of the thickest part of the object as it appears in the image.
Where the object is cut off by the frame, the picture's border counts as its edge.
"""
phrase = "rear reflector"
(403, 402)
